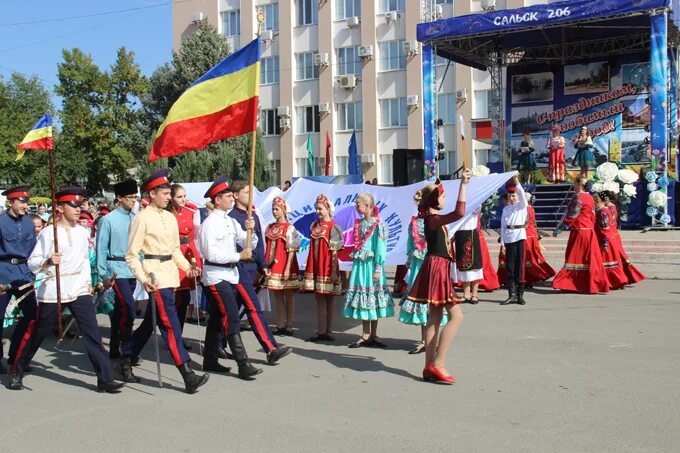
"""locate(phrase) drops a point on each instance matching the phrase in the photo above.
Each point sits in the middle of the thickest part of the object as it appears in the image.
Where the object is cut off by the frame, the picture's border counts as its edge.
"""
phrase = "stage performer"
(368, 297)
(217, 241)
(76, 292)
(188, 222)
(556, 161)
(583, 270)
(513, 238)
(322, 273)
(154, 233)
(469, 256)
(283, 242)
(433, 286)
(17, 239)
(611, 258)
(633, 274)
(584, 151)
(112, 241)
(536, 268)
(246, 297)
(526, 164)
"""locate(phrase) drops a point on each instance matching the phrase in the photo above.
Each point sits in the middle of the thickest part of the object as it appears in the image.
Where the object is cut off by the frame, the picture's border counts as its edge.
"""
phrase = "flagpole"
(56, 242)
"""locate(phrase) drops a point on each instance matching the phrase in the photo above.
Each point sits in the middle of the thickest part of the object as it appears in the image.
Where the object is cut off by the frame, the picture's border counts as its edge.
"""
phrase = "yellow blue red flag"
(39, 137)
(221, 104)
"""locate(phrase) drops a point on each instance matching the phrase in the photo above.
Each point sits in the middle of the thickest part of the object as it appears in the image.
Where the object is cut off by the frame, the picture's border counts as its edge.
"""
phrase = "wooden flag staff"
(56, 243)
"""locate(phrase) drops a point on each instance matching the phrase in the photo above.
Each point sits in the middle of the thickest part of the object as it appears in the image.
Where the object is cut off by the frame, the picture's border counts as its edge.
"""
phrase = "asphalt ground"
(565, 373)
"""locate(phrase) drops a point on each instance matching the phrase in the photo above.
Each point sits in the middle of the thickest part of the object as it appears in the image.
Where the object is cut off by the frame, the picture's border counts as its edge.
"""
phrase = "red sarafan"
(633, 274)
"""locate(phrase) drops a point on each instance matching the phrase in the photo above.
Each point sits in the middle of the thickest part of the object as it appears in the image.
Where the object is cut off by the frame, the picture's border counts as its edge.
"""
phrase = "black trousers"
(224, 319)
(124, 313)
(83, 311)
(514, 262)
(28, 309)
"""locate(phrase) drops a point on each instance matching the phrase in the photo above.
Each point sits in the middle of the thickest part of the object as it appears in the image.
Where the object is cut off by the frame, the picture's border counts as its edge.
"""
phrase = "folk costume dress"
(527, 158)
(556, 161)
(490, 281)
(322, 274)
(632, 273)
(188, 225)
(536, 268)
(282, 238)
(366, 299)
(583, 269)
(584, 152)
(469, 250)
(434, 286)
(616, 277)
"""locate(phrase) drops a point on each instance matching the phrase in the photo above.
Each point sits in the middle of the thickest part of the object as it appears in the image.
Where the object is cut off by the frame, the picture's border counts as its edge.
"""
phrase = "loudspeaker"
(408, 166)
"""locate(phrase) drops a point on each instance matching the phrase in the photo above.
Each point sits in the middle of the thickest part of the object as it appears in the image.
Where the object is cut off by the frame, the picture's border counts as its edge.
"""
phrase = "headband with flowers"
(325, 202)
(281, 203)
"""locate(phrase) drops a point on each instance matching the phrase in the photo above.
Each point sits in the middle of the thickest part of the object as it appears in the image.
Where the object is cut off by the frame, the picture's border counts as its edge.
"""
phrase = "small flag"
(328, 154)
(310, 156)
(354, 167)
(462, 127)
(39, 137)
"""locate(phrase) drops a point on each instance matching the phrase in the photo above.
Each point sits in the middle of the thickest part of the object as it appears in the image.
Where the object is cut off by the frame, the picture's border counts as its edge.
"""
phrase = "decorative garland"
(418, 240)
(657, 202)
(358, 240)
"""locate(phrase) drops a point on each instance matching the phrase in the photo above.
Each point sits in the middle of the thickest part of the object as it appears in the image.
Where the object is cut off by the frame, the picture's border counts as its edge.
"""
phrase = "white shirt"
(470, 221)
(515, 214)
(74, 269)
(217, 240)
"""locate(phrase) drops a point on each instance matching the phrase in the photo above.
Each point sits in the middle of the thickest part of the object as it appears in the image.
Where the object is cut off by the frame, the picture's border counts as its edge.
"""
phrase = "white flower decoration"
(629, 190)
(607, 171)
(611, 186)
(651, 187)
(657, 199)
(480, 170)
(598, 187)
(628, 176)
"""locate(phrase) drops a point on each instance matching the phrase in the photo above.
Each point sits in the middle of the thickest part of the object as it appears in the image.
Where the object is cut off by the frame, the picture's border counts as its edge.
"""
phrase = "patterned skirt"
(433, 285)
(366, 299)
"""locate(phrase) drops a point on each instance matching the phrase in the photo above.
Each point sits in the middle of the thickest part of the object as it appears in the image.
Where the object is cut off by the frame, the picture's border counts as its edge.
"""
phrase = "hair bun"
(418, 196)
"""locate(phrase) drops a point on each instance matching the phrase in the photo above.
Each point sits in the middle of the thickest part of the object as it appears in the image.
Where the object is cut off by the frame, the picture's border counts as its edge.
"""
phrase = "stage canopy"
(559, 32)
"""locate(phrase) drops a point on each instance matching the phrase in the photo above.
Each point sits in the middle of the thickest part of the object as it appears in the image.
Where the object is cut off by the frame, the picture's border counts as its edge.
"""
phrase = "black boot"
(520, 295)
(3, 370)
(246, 370)
(277, 354)
(124, 368)
(211, 353)
(109, 387)
(16, 381)
(512, 294)
(192, 381)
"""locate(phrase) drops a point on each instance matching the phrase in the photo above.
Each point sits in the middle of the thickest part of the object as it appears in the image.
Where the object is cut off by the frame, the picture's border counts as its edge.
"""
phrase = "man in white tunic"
(513, 237)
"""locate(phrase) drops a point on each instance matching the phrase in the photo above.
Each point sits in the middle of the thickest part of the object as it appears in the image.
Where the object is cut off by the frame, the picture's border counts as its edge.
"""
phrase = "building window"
(482, 156)
(350, 116)
(392, 57)
(307, 12)
(392, 5)
(444, 2)
(482, 104)
(386, 169)
(301, 164)
(446, 104)
(341, 163)
(306, 69)
(393, 113)
(269, 122)
(271, 16)
(269, 70)
(347, 8)
(349, 61)
(231, 22)
(307, 119)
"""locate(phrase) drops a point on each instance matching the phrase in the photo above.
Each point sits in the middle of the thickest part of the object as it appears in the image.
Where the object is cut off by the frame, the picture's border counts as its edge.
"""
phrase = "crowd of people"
(158, 248)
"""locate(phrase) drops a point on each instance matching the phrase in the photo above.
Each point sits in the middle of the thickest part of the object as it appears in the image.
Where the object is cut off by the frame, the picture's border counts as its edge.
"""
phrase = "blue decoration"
(428, 103)
(663, 182)
(665, 219)
(650, 176)
(652, 211)
(658, 70)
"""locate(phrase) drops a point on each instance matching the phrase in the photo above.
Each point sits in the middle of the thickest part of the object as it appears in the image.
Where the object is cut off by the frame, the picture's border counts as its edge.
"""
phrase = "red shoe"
(427, 375)
(438, 376)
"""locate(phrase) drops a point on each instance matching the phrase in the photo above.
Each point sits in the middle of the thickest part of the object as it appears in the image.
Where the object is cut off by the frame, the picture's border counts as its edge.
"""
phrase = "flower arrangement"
(657, 202)
(610, 178)
(480, 170)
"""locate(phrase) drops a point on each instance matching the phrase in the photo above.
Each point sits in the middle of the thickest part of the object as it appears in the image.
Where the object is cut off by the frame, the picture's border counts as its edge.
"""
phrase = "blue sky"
(35, 48)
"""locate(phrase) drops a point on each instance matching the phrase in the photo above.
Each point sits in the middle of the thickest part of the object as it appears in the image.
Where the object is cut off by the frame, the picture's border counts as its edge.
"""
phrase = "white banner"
(396, 206)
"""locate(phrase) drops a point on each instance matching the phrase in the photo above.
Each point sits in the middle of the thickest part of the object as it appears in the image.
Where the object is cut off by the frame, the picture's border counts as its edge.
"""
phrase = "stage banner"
(429, 114)
(673, 114)
(395, 204)
(658, 98)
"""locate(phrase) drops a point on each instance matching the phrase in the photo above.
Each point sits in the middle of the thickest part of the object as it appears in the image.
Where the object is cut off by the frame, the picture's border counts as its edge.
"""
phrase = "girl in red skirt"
(632, 273)
(283, 242)
(583, 270)
(616, 277)
(433, 285)
(322, 274)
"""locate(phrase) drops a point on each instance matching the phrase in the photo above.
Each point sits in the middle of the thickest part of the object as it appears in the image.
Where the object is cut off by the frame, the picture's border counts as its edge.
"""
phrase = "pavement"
(565, 373)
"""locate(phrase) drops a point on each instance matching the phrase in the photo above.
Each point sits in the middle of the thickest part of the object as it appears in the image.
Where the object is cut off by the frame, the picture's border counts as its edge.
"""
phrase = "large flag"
(328, 155)
(354, 166)
(310, 156)
(222, 103)
(39, 137)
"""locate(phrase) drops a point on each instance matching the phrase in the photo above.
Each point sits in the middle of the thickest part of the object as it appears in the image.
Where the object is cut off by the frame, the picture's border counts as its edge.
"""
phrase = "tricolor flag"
(39, 137)
(327, 171)
(221, 104)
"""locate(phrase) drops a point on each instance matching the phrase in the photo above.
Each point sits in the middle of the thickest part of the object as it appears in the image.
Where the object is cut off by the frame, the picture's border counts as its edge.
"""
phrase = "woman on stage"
(633, 274)
(616, 277)
(283, 242)
(584, 151)
(583, 270)
(556, 161)
(322, 274)
(433, 285)
(526, 165)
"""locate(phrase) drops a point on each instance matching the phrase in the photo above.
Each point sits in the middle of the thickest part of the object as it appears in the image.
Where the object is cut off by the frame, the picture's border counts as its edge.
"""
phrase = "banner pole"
(56, 242)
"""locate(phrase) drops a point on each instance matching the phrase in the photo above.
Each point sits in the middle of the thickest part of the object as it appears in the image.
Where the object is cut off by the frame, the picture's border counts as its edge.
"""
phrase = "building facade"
(334, 67)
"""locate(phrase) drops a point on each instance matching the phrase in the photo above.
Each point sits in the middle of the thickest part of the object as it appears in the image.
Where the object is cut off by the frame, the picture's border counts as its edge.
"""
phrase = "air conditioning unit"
(462, 94)
(353, 21)
(348, 82)
(410, 47)
(284, 123)
(412, 101)
(392, 16)
(365, 51)
(439, 12)
(324, 108)
(488, 5)
(368, 158)
(283, 111)
(267, 35)
(321, 59)
(197, 16)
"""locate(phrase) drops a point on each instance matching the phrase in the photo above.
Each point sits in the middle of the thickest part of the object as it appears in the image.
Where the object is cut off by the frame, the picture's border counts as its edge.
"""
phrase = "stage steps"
(551, 204)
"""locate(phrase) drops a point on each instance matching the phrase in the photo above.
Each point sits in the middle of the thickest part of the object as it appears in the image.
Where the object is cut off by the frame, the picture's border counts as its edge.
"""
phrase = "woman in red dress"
(283, 242)
(610, 255)
(490, 281)
(633, 274)
(188, 221)
(583, 270)
(536, 268)
(322, 275)
(433, 285)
